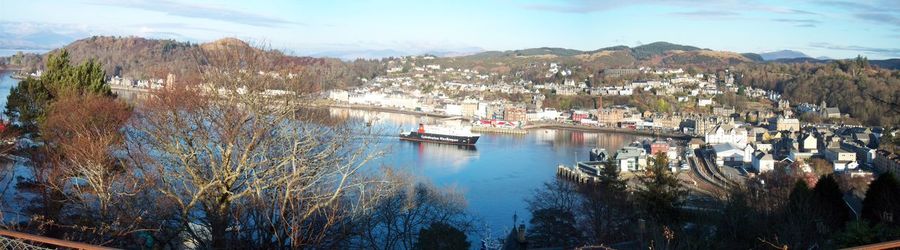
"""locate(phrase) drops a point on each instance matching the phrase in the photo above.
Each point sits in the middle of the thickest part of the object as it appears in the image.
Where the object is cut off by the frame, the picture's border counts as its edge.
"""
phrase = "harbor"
(495, 175)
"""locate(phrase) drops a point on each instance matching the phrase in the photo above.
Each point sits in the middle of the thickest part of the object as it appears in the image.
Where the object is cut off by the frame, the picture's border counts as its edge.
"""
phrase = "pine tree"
(661, 193)
(882, 202)
(27, 102)
(610, 179)
(798, 225)
(831, 208)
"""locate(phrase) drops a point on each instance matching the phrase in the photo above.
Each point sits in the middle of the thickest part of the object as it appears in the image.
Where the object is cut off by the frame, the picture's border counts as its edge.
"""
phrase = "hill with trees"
(868, 93)
(142, 58)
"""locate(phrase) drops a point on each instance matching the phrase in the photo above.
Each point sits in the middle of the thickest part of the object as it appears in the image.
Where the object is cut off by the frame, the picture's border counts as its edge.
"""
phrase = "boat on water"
(441, 134)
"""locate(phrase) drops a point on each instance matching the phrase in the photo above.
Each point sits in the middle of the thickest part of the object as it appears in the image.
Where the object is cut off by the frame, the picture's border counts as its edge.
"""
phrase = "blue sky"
(833, 28)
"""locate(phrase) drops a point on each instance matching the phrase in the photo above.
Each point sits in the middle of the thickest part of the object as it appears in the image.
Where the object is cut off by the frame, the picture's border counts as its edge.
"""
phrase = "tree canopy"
(28, 101)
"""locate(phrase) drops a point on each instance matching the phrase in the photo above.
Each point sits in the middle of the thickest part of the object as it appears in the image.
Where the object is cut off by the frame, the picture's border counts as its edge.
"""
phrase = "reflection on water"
(130, 96)
(454, 157)
(496, 176)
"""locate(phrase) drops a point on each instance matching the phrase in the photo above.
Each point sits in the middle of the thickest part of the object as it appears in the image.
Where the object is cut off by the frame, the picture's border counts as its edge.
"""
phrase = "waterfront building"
(631, 159)
(515, 113)
(611, 117)
(469, 108)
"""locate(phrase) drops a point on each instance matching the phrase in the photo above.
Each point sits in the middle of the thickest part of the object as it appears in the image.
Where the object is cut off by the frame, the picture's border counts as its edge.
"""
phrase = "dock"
(575, 174)
(516, 131)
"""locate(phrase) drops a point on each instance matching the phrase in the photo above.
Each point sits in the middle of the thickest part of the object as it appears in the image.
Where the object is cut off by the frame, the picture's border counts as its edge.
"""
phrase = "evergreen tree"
(27, 102)
(606, 208)
(831, 208)
(661, 192)
(882, 202)
(798, 225)
(552, 227)
(441, 236)
(862, 232)
(609, 178)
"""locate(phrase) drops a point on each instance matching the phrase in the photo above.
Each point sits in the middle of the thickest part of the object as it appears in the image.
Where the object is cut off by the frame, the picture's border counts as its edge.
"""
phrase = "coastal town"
(751, 140)
(714, 145)
(515, 130)
(450, 125)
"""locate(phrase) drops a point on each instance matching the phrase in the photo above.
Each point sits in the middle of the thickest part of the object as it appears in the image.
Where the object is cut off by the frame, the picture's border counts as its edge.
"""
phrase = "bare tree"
(243, 162)
(87, 194)
(398, 218)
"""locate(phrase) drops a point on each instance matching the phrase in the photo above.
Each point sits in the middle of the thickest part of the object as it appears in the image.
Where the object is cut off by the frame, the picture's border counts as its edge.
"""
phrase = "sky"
(830, 28)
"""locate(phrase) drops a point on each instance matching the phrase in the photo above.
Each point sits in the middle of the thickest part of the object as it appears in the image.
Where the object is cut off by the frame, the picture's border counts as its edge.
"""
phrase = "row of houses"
(758, 148)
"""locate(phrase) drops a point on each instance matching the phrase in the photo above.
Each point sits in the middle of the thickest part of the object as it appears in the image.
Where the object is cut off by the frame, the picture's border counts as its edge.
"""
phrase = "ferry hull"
(439, 138)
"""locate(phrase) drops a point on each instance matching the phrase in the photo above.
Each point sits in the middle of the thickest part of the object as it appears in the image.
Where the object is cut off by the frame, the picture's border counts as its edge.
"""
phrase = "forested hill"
(143, 58)
(868, 93)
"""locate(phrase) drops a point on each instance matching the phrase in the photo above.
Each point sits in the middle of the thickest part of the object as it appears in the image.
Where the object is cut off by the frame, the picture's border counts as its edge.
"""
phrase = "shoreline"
(386, 110)
(606, 130)
(527, 127)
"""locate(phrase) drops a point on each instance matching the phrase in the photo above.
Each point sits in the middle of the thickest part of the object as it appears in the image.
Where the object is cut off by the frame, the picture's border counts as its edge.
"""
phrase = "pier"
(575, 174)
(516, 131)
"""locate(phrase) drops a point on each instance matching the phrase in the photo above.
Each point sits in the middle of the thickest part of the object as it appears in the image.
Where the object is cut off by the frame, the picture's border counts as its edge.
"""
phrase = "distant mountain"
(40, 40)
(348, 55)
(659, 48)
(800, 60)
(361, 54)
(656, 54)
(533, 52)
(783, 54)
(887, 63)
(753, 56)
(141, 57)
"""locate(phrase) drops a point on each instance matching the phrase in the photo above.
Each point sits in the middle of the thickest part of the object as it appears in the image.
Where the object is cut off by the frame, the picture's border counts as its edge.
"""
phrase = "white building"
(763, 162)
(842, 159)
(732, 154)
(339, 95)
(631, 159)
(727, 133)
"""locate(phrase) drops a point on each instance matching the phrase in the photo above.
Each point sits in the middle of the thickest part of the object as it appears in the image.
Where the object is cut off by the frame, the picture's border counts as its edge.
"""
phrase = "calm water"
(6, 82)
(499, 174)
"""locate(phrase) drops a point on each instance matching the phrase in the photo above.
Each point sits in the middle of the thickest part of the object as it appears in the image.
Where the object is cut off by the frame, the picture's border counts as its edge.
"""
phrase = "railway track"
(702, 171)
(713, 171)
